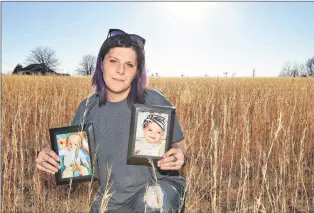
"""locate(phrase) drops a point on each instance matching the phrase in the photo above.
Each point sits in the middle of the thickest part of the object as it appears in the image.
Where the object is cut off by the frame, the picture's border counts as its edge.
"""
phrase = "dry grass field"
(250, 141)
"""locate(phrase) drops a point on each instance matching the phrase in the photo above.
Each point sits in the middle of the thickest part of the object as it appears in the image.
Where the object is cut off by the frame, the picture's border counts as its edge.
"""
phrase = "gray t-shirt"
(111, 124)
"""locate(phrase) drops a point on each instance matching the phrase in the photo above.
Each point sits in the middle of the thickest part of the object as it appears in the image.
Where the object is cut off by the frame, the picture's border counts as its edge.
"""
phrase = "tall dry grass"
(250, 142)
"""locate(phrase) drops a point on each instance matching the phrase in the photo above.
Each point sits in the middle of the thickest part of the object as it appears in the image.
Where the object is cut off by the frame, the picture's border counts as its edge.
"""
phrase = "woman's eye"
(130, 65)
(112, 61)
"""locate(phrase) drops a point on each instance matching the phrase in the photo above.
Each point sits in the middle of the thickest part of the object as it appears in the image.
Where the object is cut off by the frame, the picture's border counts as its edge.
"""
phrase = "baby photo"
(151, 134)
(74, 154)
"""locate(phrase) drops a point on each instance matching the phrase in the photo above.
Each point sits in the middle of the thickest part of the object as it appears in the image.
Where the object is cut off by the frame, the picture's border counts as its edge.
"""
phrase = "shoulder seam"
(154, 90)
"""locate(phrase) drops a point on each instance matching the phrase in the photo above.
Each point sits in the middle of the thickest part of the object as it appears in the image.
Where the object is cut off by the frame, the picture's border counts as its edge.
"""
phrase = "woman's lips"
(116, 79)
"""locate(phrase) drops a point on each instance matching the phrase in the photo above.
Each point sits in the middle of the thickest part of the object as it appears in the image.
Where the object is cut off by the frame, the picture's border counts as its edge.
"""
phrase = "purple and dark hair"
(136, 94)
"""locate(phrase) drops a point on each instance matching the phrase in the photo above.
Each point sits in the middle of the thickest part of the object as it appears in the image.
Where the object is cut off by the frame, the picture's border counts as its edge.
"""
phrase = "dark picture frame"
(75, 147)
(153, 140)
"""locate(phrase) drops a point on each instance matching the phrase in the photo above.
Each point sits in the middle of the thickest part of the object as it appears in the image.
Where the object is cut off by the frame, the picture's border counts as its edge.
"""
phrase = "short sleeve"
(155, 97)
(85, 105)
(177, 130)
(79, 114)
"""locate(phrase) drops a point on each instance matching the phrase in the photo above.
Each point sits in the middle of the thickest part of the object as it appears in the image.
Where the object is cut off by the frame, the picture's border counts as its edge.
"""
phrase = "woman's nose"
(120, 69)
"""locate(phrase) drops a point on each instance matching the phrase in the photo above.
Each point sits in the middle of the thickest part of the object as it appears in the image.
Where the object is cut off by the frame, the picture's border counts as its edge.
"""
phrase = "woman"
(120, 81)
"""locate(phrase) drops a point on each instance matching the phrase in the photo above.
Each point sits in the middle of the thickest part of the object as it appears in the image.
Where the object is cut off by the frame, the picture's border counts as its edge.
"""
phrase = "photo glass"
(75, 148)
(151, 133)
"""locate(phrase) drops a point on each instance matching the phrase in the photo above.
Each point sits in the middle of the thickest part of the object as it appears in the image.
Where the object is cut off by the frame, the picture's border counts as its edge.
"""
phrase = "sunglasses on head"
(135, 39)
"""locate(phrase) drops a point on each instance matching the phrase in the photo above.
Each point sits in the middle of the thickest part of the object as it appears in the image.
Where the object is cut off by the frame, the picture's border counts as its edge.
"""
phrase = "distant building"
(35, 69)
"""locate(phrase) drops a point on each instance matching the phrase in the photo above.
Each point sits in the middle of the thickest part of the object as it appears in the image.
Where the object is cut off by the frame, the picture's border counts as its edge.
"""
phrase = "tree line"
(295, 69)
(87, 65)
(47, 56)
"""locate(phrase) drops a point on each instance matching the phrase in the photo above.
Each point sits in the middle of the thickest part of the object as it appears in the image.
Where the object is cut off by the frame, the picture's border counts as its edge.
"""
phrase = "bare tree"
(291, 70)
(296, 71)
(286, 70)
(302, 70)
(310, 67)
(45, 56)
(87, 65)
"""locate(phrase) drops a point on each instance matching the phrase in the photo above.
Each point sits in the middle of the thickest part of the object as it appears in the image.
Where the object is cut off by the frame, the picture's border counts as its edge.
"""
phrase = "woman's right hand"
(47, 161)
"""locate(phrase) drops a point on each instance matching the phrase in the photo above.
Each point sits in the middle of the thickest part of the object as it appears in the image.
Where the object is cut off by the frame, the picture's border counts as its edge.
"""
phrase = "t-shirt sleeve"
(78, 116)
(155, 97)
(177, 130)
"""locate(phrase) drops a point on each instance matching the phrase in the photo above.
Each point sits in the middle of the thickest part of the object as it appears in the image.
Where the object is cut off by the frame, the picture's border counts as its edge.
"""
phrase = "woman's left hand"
(172, 160)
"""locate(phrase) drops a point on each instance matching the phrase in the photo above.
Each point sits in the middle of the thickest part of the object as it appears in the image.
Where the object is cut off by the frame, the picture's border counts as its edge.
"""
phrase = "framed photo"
(151, 133)
(75, 147)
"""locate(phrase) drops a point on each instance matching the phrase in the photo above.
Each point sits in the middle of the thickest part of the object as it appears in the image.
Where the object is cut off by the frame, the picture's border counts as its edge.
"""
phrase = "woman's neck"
(116, 97)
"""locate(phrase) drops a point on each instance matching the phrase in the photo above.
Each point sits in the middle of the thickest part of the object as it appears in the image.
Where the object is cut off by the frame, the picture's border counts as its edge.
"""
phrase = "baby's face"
(73, 142)
(153, 133)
